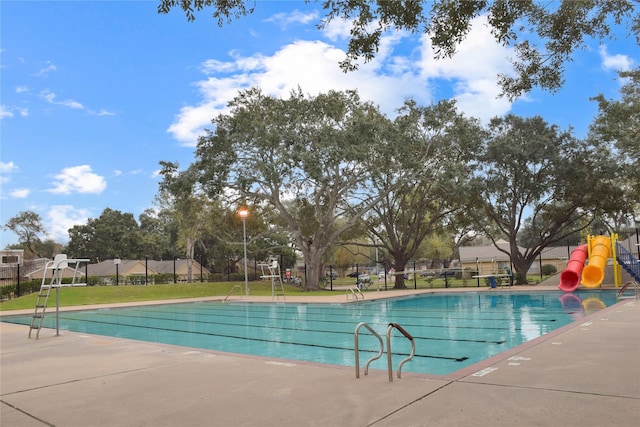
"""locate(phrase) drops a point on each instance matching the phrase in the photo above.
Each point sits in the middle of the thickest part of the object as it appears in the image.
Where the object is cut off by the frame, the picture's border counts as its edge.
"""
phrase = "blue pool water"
(451, 331)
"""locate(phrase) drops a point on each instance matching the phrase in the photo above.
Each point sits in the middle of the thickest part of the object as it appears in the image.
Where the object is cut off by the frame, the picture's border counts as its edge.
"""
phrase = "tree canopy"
(544, 35)
(113, 235)
(618, 124)
(304, 157)
(531, 173)
(27, 225)
(433, 146)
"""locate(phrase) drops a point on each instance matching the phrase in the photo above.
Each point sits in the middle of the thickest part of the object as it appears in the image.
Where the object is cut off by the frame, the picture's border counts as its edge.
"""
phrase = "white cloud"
(615, 62)
(78, 179)
(5, 112)
(44, 71)
(104, 112)
(5, 170)
(387, 80)
(50, 97)
(8, 167)
(191, 120)
(337, 29)
(296, 17)
(311, 65)
(61, 218)
(473, 69)
(22, 89)
(20, 193)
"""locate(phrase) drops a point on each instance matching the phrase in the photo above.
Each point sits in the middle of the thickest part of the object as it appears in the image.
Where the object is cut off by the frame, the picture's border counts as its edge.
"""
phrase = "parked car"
(363, 278)
(332, 274)
(428, 273)
(354, 274)
(447, 273)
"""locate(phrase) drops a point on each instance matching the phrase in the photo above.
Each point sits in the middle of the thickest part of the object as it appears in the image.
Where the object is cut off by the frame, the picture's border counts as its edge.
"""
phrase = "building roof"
(484, 253)
(491, 253)
(108, 268)
(129, 267)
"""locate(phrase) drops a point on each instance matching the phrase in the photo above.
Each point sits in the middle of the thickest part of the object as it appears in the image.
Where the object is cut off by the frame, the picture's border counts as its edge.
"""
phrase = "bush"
(26, 287)
(548, 269)
(7, 291)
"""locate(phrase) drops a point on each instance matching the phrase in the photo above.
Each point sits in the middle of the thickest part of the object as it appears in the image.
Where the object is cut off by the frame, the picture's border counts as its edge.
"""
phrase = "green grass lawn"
(117, 294)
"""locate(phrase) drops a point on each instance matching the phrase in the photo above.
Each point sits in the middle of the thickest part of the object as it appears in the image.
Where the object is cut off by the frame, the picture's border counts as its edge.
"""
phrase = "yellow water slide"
(599, 253)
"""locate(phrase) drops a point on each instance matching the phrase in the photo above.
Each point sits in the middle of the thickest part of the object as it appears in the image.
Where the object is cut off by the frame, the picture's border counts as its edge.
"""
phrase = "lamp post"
(243, 214)
(175, 279)
(117, 263)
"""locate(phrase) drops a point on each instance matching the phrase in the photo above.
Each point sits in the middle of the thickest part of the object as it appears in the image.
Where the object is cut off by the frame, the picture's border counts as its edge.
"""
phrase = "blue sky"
(95, 93)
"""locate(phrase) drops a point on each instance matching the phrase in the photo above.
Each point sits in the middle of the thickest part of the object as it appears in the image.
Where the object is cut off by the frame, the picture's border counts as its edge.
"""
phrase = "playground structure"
(597, 252)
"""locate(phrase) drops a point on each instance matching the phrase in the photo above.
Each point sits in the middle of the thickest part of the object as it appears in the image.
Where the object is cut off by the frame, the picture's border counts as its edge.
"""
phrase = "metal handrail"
(231, 291)
(628, 261)
(636, 289)
(377, 356)
(355, 292)
(413, 349)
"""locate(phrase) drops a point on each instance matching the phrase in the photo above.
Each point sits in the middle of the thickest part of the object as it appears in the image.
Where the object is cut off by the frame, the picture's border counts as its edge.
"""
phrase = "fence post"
(18, 285)
(331, 276)
(415, 279)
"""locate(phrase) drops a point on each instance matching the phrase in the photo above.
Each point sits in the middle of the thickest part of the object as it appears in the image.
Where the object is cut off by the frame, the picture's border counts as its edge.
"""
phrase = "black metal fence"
(14, 282)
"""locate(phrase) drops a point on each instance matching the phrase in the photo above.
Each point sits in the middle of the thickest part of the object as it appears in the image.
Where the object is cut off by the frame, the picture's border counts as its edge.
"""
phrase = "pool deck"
(584, 374)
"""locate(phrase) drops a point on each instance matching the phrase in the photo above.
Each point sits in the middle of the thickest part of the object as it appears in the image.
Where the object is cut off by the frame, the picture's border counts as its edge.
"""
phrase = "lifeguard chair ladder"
(57, 267)
(271, 270)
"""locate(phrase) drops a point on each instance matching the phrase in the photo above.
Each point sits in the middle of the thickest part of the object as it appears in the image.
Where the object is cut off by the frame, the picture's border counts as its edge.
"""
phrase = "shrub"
(548, 269)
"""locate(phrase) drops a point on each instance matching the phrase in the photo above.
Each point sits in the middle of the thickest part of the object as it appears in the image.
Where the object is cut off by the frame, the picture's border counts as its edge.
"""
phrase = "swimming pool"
(451, 331)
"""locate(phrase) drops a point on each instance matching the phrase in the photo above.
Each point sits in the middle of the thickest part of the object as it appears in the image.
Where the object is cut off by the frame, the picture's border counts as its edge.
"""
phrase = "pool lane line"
(366, 306)
(329, 347)
(335, 311)
(461, 327)
(119, 313)
(277, 328)
(397, 319)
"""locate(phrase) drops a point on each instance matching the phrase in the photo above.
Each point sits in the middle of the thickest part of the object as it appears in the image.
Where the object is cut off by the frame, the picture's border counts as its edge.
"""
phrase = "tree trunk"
(191, 243)
(313, 262)
(521, 266)
(399, 277)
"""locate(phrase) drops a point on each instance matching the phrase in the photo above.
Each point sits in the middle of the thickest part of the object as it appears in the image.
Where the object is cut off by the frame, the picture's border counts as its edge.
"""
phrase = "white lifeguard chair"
(57, 267)
(271, 270)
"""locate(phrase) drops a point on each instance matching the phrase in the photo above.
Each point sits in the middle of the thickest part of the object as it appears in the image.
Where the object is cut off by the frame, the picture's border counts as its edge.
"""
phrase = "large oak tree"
(305, 157)
(533, 175)
(27, 225)
(432, 148)
(112, 235)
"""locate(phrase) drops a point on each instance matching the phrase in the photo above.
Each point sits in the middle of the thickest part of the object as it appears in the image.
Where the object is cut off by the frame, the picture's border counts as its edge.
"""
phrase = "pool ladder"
(636, 291)
(355, 293)
(238, 287)
(379, 354)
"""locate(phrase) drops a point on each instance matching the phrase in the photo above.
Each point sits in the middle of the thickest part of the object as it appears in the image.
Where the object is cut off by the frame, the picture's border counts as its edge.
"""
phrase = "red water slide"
(570, 277)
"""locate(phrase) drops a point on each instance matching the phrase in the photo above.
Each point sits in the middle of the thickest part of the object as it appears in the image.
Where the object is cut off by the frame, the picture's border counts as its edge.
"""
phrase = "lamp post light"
(243, 214)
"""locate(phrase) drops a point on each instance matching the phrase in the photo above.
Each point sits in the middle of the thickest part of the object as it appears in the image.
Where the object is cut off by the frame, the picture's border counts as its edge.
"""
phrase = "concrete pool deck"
(584, 374)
